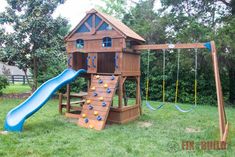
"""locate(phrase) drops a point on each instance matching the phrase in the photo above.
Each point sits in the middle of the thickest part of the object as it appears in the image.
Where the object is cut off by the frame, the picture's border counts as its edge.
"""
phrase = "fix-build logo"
(204, 145)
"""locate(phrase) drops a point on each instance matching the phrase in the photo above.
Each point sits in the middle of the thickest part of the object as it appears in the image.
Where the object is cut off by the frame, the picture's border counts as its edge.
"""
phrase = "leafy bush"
(3, 83)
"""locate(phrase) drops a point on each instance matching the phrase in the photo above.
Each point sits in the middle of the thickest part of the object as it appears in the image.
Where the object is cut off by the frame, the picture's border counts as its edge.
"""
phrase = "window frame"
(107, 42)
(81, 43)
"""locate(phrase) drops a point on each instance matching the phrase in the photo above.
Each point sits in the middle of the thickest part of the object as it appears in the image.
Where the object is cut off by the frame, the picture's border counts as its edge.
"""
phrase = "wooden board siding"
(118, 69)
(79, 61)
(106, 63)
(95, 46)
(98, 36)
(124, 114)
(130, 64)
(92, 63)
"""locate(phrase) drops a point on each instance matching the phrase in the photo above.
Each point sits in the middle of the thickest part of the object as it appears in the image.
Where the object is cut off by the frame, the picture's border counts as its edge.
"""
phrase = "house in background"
(13, 73)
(12, 70)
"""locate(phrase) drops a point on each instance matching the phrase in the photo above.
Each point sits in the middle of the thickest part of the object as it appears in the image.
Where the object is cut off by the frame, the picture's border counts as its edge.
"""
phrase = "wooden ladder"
(98, 101)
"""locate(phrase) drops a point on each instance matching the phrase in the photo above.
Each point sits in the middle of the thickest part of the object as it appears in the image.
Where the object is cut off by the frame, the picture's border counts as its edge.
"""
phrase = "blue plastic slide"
(16, 117)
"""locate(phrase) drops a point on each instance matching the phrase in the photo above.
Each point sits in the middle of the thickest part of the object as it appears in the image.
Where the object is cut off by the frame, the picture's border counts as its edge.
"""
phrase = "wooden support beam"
(225, 132)
(60, 102)
(220, 100)
(68, 99)
(120, 92)
(168, 46)
(93, 30)
(138, 94)
(101, 22)
(88, 26)
(123, 80)
(124, 95)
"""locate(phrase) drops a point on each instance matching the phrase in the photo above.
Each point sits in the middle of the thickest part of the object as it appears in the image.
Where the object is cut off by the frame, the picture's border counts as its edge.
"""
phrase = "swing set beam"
(223, 123)
(169, 46)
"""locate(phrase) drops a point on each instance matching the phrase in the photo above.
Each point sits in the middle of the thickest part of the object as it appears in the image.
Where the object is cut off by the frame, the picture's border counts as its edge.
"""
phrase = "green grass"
(49, 134)
(16, 89)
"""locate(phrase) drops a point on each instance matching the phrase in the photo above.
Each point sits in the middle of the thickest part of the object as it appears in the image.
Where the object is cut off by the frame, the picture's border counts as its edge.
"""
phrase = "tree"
(3, 83)
(115, 8)
(37, 37)
(217, 16)
(184, 21)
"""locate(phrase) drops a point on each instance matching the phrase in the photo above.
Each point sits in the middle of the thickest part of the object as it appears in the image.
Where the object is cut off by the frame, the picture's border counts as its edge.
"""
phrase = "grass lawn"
(154, 134)
(16, 89)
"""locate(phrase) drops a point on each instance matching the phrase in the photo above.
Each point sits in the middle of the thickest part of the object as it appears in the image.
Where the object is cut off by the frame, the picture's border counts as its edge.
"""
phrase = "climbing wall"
(98, 101)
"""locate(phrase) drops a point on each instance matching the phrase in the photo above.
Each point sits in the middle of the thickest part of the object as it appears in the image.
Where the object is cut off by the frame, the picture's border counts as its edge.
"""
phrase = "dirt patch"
(3, 132)
(192, 130)
(15, 96)
(144, 124)
(71, 120)
(22, 96)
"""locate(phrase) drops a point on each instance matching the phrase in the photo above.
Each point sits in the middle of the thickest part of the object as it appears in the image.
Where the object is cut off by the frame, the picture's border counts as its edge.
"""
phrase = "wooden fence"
(19, 78)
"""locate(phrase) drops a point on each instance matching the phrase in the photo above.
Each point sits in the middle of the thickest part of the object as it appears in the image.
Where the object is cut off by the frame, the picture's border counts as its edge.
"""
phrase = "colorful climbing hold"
(88, 101)
(93, 88)
(105, 85)
(99, 118)
(108, 90)
(86, 120)
(96, 113)
(97, 76)
(90, 107)
(91, 126)
(101, 98)
(95, 94)
(83, 115)
(103, 104)
(100, 81)
(112, 77)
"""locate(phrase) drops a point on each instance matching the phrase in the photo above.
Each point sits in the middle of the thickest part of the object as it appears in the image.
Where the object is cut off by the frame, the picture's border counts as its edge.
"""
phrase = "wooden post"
(12, 79)
(68, 99)
(120, 92)
(23, 79)
(60, 102)
(220, 101)
(124, 95)
(138, 95)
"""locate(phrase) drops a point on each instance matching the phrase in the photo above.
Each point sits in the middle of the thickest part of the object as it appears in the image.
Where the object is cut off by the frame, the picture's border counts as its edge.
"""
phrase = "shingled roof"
(115, 23)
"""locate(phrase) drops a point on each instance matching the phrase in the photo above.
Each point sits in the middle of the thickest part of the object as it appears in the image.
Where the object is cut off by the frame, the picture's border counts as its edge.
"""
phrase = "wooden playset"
(110, 53)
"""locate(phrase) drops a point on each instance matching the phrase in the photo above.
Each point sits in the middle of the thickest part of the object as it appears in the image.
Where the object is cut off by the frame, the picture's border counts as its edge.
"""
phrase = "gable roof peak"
(93, 10)
(115, 23)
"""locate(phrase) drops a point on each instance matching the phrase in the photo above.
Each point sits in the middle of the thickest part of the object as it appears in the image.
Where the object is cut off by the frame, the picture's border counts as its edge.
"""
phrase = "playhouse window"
(107, 42)
(80, 43)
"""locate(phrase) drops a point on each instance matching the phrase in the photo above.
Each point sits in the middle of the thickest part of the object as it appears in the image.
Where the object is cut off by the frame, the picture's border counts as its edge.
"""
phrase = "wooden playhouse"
(110, 52)
(102, 45)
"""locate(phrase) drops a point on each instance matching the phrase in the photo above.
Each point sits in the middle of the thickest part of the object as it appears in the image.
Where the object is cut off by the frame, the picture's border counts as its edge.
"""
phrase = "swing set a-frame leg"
(223, 123)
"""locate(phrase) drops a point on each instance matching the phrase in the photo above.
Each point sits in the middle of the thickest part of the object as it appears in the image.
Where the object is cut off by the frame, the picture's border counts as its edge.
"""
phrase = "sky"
(74, 10)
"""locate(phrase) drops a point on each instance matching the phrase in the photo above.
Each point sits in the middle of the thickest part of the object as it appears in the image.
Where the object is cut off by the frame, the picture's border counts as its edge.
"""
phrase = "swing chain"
(163, 75)
(147, 80)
